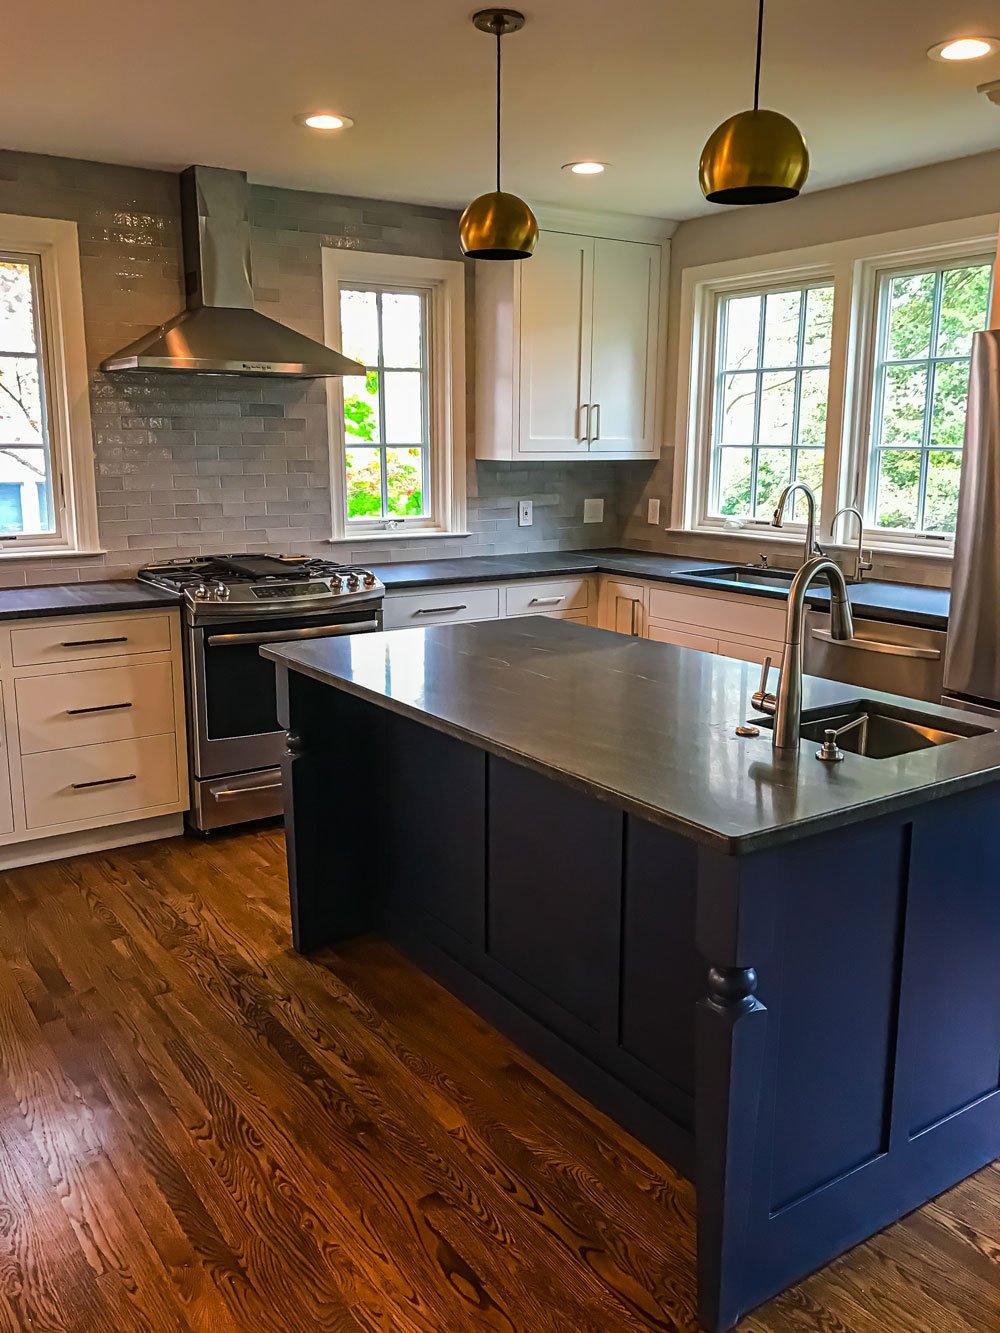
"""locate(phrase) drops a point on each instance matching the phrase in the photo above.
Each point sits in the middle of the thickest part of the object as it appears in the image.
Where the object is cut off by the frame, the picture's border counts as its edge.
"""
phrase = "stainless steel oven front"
(236, 743)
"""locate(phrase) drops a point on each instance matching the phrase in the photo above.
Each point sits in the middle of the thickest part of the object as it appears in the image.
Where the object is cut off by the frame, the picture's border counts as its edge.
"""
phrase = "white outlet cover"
(593, 511)
(653, 512)
(524, 513)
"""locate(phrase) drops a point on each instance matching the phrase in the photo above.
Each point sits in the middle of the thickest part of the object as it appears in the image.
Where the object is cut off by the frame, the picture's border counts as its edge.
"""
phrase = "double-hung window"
(47, 485)
(398, 429)
(844, 366)
(770, 395)
(925, 321)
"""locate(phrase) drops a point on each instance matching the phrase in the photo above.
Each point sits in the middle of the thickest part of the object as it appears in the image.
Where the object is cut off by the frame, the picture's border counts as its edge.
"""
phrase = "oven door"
(234, 722)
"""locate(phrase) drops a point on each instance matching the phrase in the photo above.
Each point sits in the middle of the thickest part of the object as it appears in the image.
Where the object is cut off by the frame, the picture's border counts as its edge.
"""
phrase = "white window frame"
(53, 244)
(443, 281)
(853, 267)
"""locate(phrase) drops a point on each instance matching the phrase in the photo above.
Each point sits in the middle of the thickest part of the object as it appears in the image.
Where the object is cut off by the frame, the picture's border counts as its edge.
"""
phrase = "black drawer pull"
(102, 782)
(97, 708)
(92, 643)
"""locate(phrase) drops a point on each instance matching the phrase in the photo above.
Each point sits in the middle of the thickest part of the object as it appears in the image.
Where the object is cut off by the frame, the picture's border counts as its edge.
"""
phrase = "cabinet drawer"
(89, 707)
(535, 599)
(749, 650)
(736, 616)
(681, 638)
(94, 781)
(73, 639)
(436, 608)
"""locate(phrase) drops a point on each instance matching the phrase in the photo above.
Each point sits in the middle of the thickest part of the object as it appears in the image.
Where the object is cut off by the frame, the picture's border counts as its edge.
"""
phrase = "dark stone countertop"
(78, 599)
(902, 603)
(645, 726)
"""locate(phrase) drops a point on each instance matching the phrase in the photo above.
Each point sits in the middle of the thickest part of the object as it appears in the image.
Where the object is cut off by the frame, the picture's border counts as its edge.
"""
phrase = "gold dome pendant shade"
(755, 157)
(498, 225)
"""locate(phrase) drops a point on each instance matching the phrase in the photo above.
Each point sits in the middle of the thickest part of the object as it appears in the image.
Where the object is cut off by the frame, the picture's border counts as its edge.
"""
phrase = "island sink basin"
(882, 731)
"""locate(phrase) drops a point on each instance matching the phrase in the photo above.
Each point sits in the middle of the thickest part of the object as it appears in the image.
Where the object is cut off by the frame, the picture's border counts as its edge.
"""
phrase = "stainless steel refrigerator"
(972, 661)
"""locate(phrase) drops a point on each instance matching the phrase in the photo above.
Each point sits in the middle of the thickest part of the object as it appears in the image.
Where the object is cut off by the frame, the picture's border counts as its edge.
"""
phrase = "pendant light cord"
(760, 44)
(499, 25)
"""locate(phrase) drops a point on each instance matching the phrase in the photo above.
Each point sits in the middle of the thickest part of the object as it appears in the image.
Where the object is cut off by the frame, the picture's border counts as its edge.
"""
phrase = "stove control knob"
(370, 579)
(336, 583)
(201, 592)
(221, 592)
(353, 582)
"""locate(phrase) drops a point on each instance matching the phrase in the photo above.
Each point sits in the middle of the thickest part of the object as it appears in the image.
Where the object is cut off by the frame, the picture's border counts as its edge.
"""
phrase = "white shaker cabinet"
(569, 351)
(624, 348)
(555, 346)
(6, 808)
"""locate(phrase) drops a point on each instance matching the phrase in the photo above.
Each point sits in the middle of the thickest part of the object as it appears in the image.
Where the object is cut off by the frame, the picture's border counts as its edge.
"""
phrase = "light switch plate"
(524, 515)
(593, 511)
(653, 512)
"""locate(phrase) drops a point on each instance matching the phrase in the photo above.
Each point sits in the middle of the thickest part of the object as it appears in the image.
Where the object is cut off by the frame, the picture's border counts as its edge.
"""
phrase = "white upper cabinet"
(569, 350)
(557, 298)
(626, 305)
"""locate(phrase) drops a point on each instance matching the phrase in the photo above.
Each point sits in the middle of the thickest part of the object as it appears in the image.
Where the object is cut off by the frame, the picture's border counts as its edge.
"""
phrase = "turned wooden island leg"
(730, 1029)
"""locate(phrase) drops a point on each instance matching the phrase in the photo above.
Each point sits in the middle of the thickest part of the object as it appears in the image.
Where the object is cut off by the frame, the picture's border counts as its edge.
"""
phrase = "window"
(926, 320)
(24, 428)
(398, 431)
(386, 412)
(844, 366)
(771, 383)
(47, 485)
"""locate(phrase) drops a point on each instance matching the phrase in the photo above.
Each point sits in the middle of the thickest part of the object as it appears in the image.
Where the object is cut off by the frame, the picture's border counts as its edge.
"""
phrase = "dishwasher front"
(898, 659)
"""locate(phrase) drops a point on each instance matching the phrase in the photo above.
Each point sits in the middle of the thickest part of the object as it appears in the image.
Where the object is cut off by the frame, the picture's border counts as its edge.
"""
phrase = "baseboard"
(89, 840)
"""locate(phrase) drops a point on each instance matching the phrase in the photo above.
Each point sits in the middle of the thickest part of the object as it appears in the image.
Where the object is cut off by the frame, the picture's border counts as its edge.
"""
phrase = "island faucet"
(786, 706)
(861, 564)
(812, 546)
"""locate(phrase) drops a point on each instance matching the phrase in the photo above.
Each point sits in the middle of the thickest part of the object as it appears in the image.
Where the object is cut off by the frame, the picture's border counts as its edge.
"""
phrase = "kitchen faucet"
(861, 564)
(812, 546)
(786, 706)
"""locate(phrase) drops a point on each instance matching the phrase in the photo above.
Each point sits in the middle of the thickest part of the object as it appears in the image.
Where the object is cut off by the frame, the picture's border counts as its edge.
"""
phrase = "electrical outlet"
(593, 511)
(524, 516)
(653, 512)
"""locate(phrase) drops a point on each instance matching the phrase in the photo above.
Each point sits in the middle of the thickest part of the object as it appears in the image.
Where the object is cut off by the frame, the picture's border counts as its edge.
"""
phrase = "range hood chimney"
(220, 333)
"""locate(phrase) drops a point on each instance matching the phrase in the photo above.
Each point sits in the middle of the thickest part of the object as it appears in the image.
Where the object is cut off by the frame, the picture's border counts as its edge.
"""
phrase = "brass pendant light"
(755, 157)
(498, 225)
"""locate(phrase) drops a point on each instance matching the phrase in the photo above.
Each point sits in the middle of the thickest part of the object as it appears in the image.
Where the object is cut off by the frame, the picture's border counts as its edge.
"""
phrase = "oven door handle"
(290, 635)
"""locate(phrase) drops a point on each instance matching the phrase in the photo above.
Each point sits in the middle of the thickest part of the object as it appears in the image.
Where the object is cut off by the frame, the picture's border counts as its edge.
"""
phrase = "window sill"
(52, 553)
(398, 535)
(791, 535)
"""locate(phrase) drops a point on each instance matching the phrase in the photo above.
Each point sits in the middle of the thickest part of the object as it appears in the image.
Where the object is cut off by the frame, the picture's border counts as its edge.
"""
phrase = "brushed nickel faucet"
(786, 705)
(812, 547)
(861, 563)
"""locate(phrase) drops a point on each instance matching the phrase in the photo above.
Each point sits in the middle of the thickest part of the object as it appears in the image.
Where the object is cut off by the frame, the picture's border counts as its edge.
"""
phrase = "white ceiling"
(639, 83)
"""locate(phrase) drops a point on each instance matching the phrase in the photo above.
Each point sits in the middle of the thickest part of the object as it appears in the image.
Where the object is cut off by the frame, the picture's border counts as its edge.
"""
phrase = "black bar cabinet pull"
(102, 782)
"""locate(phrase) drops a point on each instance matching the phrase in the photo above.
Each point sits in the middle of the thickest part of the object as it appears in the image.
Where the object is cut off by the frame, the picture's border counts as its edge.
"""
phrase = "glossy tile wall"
(187, 463)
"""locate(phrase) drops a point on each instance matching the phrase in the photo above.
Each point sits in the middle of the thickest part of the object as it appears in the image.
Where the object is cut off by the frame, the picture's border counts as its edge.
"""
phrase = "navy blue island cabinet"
(781, 975)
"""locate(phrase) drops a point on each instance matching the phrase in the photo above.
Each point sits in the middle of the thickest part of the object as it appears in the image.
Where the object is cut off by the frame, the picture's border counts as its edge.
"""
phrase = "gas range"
(234, 604)
(220, 586)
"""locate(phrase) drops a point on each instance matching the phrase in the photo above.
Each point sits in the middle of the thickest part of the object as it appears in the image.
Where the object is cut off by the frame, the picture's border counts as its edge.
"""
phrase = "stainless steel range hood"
(220, 333)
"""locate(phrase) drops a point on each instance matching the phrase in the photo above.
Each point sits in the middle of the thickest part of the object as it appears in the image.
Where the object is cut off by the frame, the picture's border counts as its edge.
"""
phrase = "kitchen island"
(778, 973)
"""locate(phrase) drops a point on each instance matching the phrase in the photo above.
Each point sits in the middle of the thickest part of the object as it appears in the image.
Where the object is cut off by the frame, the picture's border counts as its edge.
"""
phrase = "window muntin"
(772, 371)
(386, 412)
(25, 435)
(925, 321)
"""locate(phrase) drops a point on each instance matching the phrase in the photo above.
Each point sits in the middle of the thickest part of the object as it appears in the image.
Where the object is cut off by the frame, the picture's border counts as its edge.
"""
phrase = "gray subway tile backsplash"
(188, 464)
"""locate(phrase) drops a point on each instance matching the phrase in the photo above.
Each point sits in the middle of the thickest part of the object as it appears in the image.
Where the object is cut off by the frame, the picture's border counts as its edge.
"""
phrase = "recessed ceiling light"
(585, 168)
(325, 120)
(965, 48)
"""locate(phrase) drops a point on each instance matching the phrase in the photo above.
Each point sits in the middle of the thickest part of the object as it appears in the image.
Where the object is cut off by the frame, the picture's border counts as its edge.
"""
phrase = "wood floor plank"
(200, 1130)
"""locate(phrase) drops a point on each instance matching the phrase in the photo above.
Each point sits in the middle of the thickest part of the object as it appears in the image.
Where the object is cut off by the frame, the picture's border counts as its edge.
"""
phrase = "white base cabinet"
(92, 730)
(750, 629)
(572, 598)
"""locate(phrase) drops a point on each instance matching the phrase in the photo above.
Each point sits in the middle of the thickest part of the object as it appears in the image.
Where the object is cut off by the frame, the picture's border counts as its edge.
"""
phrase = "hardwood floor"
(201, 1130)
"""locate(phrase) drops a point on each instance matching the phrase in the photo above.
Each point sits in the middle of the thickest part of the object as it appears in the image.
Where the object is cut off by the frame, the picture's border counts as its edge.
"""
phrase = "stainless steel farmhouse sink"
(881, 730)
